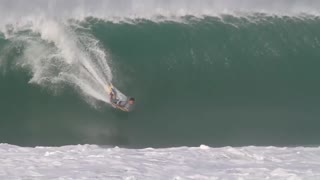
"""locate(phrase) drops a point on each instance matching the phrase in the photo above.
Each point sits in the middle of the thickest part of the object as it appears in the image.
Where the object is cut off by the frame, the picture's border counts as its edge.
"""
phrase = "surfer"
(123, 105)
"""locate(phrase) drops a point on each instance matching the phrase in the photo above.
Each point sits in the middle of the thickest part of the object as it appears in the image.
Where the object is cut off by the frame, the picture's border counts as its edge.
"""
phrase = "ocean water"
(241, 77)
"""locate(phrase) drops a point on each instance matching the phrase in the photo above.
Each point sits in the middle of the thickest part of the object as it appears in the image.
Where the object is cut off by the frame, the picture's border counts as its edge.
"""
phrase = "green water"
(215, 81)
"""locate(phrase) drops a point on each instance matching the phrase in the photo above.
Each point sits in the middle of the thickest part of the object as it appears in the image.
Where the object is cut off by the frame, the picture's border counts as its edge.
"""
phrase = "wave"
(221, 79)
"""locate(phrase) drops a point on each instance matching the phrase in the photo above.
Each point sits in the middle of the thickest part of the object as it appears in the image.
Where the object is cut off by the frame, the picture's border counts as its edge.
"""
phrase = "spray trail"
(56, 53)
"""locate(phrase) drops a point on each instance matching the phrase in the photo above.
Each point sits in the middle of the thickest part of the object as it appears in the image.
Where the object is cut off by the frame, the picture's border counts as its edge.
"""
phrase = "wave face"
(214, 72)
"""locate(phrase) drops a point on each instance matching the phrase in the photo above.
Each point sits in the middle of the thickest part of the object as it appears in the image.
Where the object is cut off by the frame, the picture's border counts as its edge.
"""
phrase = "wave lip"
(132, 9)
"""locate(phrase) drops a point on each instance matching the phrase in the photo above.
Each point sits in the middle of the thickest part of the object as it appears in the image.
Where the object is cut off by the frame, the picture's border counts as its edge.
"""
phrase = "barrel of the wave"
(126, 105)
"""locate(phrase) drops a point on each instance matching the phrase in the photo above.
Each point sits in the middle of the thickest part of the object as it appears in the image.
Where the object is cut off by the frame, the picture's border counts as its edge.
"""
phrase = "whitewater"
(96, 162)
(54, 45)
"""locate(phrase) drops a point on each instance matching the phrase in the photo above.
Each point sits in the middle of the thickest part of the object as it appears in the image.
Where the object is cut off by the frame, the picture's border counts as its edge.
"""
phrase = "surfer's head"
(131, 101)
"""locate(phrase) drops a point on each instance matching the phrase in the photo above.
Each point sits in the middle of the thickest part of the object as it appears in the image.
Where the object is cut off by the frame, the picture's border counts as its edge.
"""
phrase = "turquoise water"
(215, 80)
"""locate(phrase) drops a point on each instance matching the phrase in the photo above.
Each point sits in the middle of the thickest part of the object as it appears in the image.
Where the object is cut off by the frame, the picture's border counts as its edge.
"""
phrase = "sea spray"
(55, 53)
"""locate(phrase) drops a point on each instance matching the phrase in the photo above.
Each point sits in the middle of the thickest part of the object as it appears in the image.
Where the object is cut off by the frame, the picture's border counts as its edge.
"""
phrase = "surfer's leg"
(113, 91)
(113, 96)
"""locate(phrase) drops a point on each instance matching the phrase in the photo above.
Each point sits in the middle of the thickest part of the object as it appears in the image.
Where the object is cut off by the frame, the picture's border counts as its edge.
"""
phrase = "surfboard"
(119, 107)
(109, 89)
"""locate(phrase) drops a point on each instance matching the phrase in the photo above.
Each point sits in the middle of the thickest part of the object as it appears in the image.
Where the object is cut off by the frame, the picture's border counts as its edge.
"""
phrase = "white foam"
(94, 162)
